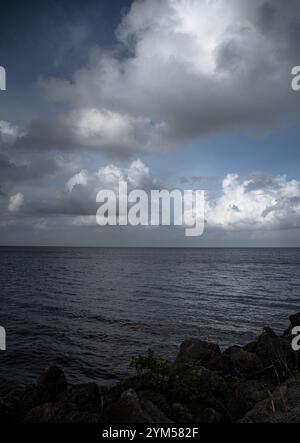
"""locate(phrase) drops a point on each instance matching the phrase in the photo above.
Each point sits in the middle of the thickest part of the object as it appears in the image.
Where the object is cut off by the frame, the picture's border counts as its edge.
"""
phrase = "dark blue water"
(92, 310)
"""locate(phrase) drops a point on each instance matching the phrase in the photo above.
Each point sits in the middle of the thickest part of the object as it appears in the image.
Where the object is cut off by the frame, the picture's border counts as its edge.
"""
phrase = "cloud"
(18, 166)
(16, 202)
(15, 170)
(79, 196)
(186, 68)
(8, 132)
(260, 202)
(95, 129)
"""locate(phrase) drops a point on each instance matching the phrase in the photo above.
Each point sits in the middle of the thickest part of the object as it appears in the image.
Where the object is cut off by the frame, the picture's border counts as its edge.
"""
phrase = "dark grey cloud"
(266, 15)
(32, 171)
(222, 65)
(78, 199)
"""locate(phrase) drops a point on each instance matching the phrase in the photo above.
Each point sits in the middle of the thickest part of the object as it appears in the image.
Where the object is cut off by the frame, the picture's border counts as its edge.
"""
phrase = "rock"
(294, 321)
(236, 362)
(157, 399)
(276, 354)
(53, 381)
(45, 414)
(192, 351)
(131, 409)
(181, 414)
(47, 390)
(283, 406)
(8, 413)
(80, 404)
(32, 397)
(86, 397)
(138, 383)
(250, 347)
(246, 395)
(210, 416)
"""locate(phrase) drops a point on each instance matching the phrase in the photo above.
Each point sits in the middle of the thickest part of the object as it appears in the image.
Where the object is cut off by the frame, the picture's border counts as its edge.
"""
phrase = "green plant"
(156, 368)
(195, 386)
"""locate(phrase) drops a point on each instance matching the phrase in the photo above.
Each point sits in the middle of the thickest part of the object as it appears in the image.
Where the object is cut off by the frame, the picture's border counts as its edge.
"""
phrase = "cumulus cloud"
(95, 129)
(189, 68)
(79, 196)
(259, 202)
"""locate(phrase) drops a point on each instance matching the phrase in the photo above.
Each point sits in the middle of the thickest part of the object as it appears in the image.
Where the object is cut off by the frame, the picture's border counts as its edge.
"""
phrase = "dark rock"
(139, 383)
(8, 411)
(210, 416)
(85, 397)
(157, 399)
(250, 347)
(53, 381)
(294, 321)
(80, 404)
(131, 409)
(236, 362)
(32, 397)
(46, 413)
(246, 395)
(276, 353)
(283, 406)
(47, 390)
(192, 351)
(181, 414)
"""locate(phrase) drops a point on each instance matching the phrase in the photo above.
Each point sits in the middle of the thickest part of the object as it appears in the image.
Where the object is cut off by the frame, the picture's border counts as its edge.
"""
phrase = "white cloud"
(16, 202)
(79, 179)
(195, 67)
(259, 202)
(79, 196)
(8, 132)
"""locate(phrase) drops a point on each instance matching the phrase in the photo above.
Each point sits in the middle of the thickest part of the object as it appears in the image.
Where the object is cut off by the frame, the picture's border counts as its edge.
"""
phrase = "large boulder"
(294, 321)
(43, 414)
(48, 389)
(196, 351)
(276, 353)
(237, 362)
(53, 382)
(130, 408)
(246, 395)
(283, 406)
(157, 399)
(80, 404)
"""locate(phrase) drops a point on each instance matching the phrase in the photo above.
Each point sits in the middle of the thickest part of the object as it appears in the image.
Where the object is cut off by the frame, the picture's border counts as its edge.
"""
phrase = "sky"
(162, 94)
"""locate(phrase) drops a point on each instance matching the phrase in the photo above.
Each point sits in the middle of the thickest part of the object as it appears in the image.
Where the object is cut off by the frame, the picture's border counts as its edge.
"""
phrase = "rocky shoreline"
(257, 383)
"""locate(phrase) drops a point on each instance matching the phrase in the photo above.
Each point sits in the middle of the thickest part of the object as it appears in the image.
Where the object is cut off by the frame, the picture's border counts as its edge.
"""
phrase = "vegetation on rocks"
(256, 383)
